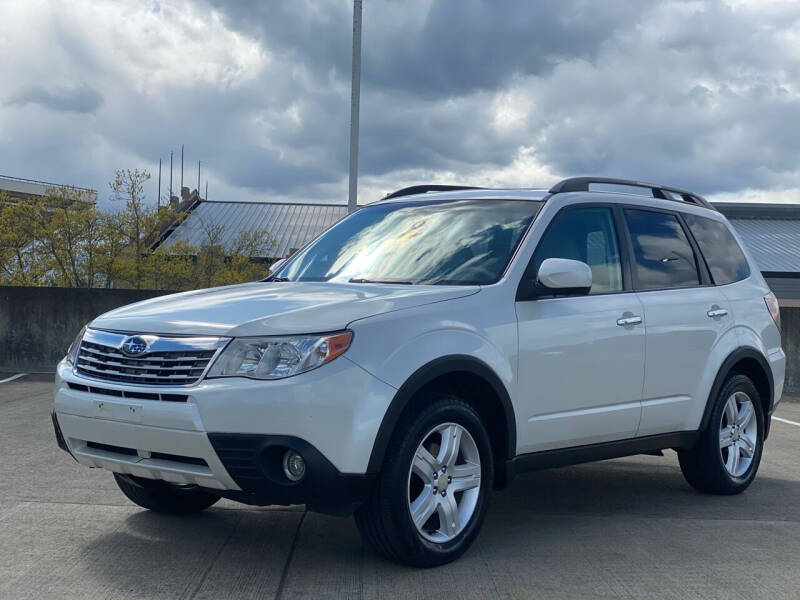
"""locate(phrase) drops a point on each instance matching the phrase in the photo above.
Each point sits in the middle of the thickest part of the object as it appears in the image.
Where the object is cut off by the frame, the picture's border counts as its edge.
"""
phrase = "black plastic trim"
(422, 189)
(725, 370)
(62, 443)
(79, 387)
(427, 373)
(563, 457)
(255, 463)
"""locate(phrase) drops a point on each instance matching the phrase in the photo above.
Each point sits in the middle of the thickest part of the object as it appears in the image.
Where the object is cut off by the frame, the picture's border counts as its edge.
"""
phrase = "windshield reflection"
(453, 242)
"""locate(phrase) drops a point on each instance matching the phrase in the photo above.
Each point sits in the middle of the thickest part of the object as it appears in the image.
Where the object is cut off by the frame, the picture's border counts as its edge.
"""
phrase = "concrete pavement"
(628, 528)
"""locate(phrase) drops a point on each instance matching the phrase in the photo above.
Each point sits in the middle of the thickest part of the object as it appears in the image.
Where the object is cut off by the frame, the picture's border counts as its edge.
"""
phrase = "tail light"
(772, 306)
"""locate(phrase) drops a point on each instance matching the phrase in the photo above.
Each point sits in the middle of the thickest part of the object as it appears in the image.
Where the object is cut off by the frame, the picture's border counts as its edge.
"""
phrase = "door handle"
(717, 312)
(629, 321)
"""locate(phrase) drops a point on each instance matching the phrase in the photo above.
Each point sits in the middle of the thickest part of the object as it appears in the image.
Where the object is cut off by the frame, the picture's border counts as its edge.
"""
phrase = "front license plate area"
(118, 411)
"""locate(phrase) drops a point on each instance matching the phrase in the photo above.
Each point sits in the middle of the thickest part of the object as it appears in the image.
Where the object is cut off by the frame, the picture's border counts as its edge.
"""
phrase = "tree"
(18, 265)
(62, 239)
(136, 222)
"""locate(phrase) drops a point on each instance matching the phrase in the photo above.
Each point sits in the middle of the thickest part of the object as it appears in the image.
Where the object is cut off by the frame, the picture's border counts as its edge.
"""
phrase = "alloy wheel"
(738, 434)
(444, 482)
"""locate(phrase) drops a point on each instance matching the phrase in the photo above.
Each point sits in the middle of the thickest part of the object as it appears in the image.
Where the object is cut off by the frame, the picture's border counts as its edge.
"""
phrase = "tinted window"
(662, 253)
(587, 235)
(453, 242)
(725, 258)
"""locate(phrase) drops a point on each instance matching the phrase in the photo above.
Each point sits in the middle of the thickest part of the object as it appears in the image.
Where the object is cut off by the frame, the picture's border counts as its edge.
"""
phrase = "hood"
(271, 308)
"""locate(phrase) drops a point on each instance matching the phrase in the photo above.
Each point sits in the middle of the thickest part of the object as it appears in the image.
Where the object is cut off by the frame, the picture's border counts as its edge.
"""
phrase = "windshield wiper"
(278, 279)
(389, 281)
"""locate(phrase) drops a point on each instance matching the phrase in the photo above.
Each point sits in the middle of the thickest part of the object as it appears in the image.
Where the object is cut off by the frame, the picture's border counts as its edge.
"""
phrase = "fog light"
(294, 467)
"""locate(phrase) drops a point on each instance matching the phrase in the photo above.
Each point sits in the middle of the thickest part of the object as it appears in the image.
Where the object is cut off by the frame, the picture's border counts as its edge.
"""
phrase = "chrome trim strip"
(156, 343)
(177, 377)
(149, 367)
(144, 358)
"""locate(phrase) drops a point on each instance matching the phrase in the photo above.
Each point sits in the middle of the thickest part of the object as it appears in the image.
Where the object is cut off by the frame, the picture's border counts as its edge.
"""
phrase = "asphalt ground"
(627, 528)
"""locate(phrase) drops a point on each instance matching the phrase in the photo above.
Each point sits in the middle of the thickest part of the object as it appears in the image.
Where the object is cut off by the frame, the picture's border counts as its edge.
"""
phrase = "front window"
(447, 242)
(587, 235)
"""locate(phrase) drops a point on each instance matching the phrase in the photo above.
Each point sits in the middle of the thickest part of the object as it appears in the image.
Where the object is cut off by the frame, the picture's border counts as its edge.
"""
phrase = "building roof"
(17, 187)
(290, 225)
(771, 232)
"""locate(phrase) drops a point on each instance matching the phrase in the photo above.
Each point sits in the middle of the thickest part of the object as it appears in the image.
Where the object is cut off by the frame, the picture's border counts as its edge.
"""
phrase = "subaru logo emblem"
(134, 346)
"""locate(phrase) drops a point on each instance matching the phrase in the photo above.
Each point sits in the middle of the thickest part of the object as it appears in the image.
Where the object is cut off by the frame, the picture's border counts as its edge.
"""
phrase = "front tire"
(163, 497)
(726, 459)
(431, 496)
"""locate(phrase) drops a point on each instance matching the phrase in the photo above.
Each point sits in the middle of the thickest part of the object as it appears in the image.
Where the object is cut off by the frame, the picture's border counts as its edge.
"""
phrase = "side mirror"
(276, 265)
(563, 277)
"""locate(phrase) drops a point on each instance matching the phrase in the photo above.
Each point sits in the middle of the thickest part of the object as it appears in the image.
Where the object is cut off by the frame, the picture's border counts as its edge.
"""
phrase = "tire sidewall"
(444, 409)
(738, 383)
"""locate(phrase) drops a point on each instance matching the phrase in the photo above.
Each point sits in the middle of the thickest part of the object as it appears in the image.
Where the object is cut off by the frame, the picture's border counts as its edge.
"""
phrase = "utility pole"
(170, 177)
(206, 196)
(355, 98)
(158, 199)
(181, 171)
(198, 178)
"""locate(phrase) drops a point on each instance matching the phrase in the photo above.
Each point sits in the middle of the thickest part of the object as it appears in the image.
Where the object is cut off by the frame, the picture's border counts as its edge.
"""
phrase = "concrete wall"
(38, 324)
(790, 340)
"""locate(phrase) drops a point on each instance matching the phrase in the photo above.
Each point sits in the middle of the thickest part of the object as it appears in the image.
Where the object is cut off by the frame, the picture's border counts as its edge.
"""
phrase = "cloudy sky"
(704, 95)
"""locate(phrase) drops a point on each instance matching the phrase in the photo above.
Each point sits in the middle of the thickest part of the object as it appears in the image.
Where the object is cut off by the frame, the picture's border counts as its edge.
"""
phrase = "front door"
(581, 358)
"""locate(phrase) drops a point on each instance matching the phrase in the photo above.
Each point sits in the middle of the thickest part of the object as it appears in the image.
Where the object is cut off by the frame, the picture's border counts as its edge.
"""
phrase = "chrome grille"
(167, 361)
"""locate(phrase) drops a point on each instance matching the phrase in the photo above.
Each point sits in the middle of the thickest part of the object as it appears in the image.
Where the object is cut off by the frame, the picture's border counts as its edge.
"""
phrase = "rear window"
(664, 257)
(722, 252)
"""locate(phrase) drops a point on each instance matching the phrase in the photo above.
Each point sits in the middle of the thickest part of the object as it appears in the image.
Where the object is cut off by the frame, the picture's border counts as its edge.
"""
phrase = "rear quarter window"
(724, 256)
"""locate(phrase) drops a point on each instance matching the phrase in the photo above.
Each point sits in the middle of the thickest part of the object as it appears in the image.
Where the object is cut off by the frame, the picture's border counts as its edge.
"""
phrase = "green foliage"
(63, 240)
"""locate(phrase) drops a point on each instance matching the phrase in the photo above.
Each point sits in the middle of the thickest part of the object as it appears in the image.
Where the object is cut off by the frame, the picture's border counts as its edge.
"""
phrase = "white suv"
(428, 347)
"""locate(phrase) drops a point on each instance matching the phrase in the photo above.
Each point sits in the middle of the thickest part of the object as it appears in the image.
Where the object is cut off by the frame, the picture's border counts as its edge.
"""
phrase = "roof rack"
(581, 184)
(422, 189)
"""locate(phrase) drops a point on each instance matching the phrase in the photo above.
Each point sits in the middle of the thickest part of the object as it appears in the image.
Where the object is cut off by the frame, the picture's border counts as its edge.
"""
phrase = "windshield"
(450, 242)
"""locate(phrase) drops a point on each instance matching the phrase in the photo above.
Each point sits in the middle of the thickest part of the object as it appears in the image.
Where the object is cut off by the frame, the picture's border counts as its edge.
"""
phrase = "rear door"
(684, 316)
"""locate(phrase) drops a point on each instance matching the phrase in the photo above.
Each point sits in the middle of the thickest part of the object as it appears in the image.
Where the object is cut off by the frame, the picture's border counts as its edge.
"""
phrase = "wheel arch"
(472, 378)
(747, 361)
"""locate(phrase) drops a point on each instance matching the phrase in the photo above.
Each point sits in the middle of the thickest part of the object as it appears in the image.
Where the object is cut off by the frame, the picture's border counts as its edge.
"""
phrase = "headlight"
(72, 351)
(278, 357)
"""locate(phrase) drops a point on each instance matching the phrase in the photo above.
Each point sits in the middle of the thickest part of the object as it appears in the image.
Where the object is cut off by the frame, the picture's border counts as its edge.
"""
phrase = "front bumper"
(227, 433)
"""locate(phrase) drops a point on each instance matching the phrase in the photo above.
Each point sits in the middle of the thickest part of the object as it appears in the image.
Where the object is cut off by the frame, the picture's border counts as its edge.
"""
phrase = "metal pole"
(181, 171)
(158, 200)
(170, 177)
(355, 98)
(206, 196)
(198, 178)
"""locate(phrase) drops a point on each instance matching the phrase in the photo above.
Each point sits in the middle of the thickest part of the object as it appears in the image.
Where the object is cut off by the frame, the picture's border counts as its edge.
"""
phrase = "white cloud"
(700, 94)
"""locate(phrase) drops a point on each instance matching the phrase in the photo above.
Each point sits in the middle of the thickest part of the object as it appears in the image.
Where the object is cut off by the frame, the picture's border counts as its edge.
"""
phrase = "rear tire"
(444, 484)
(163, 497)
(726, 459)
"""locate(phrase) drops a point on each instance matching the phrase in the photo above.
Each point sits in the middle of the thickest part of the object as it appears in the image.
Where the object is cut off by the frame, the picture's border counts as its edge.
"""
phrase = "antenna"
(158, 199)
(170, 176)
